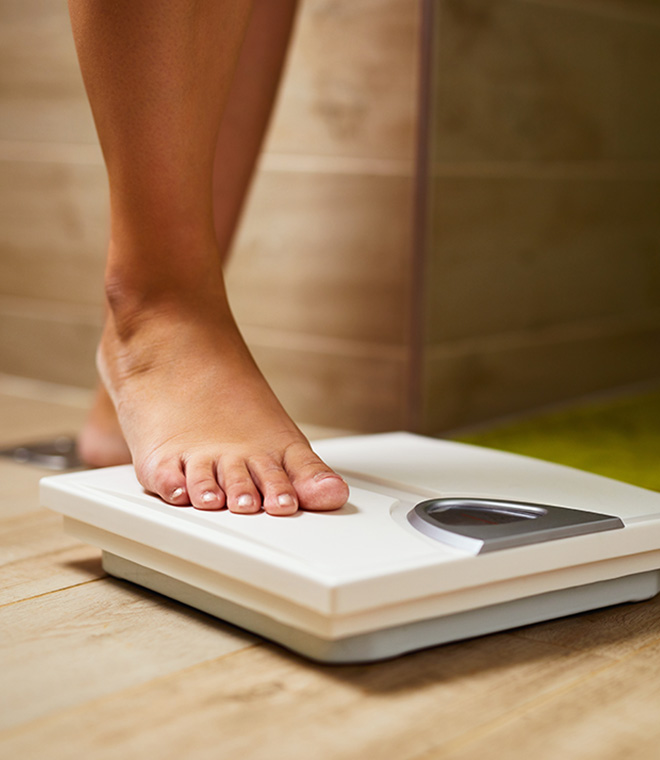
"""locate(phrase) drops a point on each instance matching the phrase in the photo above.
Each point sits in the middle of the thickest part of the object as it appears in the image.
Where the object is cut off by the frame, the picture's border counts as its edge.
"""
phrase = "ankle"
(144, 282)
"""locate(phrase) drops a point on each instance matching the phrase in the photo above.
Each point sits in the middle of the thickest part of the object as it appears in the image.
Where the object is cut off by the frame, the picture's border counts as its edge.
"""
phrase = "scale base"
(391, 642)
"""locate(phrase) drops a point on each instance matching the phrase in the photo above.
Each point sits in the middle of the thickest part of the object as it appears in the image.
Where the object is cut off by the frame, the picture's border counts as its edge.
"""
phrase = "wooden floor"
(91, 667)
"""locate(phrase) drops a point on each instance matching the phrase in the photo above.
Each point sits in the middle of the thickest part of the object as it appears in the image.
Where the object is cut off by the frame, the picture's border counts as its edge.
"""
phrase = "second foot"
(100, 441)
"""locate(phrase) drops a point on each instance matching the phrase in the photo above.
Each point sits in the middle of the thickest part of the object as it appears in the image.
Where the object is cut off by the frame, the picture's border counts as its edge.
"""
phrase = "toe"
(240, 490)
(318, 487)
(203, 488)
(165, 478)
(279, 495)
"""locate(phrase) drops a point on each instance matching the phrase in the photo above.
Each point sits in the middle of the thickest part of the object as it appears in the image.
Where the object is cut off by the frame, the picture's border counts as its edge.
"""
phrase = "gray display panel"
(479, 525)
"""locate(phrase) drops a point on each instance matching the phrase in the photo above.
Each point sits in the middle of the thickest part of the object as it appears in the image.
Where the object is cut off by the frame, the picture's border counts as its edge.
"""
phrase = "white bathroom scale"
(439, 541)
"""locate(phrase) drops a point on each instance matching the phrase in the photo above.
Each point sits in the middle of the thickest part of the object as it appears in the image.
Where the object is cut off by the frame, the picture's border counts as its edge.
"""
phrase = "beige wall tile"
(42, 97)
(55, 344)
(529, 80)
(351, 84)
(325, 251)
(60, 120)
(30, 419)
(483, 381)
(322, 252)
(521, 253)
(337, 386)
(350, 88)
(53, 236)
(360, 393)
(543, 212)
(326, 254)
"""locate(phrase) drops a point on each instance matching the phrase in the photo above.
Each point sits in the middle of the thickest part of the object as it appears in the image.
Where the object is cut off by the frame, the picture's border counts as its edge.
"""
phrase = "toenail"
(285, 500)
(177, 492)
(208, 496)
(326, 475)
(245, 500)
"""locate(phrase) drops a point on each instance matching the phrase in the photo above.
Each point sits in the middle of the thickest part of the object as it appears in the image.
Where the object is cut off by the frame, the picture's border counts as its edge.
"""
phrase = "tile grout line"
(588, 170)
(55, 310)
(266, 337)
(566, 332)
(605, 10)
(302, 163)
(32, 389)
(310, 163)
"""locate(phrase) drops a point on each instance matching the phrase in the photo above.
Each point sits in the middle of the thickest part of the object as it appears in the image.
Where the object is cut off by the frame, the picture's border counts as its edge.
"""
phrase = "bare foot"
(101, 442)
(203, 426)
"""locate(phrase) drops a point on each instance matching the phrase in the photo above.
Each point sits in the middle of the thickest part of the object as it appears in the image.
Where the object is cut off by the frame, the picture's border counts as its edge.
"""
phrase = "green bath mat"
(619, 438)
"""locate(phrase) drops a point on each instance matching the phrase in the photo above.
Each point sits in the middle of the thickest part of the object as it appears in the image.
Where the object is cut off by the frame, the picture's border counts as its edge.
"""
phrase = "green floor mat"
(619, 439)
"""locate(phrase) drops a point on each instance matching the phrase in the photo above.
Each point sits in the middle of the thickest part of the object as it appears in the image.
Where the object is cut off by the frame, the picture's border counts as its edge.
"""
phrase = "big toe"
(318, 487)
(327, 492)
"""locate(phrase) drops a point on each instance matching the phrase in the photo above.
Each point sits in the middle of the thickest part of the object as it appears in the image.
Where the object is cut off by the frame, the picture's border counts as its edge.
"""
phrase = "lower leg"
(202, 425)
(243, 125)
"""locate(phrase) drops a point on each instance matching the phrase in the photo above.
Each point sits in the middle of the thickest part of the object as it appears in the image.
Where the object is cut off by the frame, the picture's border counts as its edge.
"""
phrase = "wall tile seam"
(604, 10)
(284, 340)
(44, 390)
(559, 170)
(28, 151)
(316, 163)
(547, 336)
(62, 312)
(12, 151)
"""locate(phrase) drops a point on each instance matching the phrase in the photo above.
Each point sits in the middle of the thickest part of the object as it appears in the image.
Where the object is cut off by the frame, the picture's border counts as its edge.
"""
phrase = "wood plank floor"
(91, 667)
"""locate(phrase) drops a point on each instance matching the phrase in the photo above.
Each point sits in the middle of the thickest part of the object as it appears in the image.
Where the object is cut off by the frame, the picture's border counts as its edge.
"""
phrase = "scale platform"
(439, 541)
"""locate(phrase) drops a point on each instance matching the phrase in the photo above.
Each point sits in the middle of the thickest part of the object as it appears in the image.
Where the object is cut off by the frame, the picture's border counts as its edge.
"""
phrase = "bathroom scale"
(439, 541)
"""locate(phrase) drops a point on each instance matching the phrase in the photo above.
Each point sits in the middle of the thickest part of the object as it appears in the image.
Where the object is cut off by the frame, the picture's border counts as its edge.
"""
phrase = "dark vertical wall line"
(415, 405)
